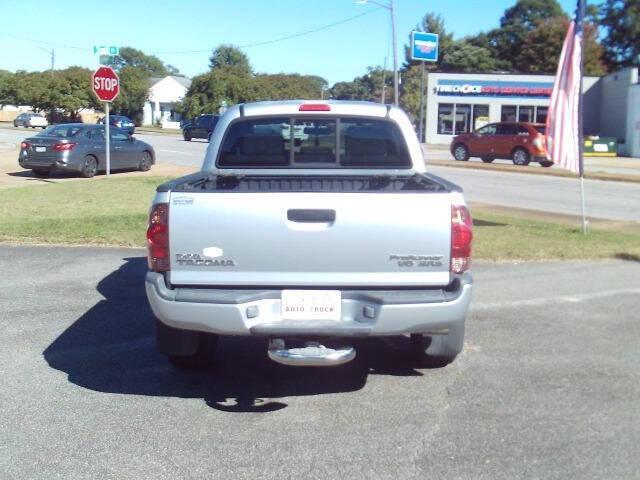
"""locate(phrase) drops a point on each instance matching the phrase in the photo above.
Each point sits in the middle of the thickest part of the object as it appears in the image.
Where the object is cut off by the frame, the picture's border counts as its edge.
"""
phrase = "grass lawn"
(114, 212)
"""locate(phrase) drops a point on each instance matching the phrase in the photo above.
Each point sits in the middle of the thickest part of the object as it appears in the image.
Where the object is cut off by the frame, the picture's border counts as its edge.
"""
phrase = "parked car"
(120, 121)
(79, 147)
(201, 127)
(520, 142)
(32, 120)
(310, 244)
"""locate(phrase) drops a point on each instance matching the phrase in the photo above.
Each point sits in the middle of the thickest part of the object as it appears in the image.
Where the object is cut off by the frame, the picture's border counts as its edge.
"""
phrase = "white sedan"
(32, 120)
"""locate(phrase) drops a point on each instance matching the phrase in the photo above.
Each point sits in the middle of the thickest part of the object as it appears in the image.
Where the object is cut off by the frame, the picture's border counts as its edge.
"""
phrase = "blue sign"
(424, 46)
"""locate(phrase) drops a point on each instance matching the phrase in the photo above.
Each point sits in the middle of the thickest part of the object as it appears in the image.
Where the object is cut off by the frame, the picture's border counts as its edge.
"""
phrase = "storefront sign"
(483, 88)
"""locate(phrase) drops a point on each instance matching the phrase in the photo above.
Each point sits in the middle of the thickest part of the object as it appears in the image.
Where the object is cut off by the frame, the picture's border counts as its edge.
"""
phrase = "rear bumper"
(59, 162)
(364, 312)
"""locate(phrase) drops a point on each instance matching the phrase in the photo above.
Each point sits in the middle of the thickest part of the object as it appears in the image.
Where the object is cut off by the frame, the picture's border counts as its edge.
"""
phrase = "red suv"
(520, 142)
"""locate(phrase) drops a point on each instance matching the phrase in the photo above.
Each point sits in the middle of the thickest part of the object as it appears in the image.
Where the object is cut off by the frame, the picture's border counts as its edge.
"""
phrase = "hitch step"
(313, 354)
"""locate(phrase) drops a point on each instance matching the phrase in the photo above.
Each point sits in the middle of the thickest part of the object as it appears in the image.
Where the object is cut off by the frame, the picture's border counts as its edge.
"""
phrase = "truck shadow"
(111, 348)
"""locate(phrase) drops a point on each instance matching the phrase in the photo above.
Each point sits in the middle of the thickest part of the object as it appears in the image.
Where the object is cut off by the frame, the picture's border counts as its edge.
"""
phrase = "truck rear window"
(305, 142)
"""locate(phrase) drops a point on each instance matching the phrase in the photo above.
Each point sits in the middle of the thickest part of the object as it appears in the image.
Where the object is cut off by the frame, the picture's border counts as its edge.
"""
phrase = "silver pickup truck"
(310, 241)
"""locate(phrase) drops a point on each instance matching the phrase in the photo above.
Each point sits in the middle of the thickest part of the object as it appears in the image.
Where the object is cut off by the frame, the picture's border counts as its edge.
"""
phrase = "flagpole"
(580, 15)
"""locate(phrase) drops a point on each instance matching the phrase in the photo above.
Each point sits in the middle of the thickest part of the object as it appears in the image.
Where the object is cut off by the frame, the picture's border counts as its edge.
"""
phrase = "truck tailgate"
(309, 239)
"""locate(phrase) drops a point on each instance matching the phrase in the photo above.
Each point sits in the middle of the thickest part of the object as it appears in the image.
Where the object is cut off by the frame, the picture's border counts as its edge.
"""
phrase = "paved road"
(548, 385)
(609, 200)
(618, 165)
(169, 148)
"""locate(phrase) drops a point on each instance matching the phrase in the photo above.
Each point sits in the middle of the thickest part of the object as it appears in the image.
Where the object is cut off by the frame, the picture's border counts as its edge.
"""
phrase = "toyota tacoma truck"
(310, 241)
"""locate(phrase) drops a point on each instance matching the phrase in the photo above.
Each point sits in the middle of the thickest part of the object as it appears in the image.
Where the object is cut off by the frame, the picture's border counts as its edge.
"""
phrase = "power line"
(51, 44)
(249, 45)
(280, 39)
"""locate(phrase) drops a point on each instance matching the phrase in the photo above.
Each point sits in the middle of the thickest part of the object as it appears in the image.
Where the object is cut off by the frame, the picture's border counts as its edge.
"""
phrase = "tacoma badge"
(195, 260)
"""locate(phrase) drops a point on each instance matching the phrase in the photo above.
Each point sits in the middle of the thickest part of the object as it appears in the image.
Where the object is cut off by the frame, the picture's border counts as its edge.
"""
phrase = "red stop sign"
(105, 84)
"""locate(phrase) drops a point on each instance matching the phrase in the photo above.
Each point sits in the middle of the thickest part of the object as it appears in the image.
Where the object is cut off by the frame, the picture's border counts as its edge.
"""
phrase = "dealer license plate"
(41, 149)
(311, 305)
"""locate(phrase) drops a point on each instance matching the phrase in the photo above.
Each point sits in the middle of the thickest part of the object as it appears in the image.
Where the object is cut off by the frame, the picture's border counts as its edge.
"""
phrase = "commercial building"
(462, 102)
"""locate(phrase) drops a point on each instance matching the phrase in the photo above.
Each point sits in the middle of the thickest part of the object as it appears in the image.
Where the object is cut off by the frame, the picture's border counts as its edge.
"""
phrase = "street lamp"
(389, 6)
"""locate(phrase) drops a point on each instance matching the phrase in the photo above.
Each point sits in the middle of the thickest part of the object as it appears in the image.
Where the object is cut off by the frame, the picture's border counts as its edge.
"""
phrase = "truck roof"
(335, 107)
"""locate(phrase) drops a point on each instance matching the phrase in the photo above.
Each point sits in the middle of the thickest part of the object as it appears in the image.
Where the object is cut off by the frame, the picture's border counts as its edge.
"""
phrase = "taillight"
(64, 147)
(314, 107)
(158, 238)
(25, 145)
(461, 236)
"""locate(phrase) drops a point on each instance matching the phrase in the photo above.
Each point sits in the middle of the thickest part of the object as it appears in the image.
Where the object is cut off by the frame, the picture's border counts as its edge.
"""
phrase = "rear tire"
(546, 163)
(187, 136)
(40, 173)
(487, 159)
(461, 152)
(520, 157)
(145, 162)
(202, 358)
(89, 167)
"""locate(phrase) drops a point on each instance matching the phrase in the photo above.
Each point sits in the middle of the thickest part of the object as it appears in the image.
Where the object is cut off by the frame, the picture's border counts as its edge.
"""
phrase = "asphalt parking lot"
(548, 385)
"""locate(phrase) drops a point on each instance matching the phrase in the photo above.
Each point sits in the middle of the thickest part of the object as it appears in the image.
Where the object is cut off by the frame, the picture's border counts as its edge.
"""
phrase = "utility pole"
(384, 83)
(395, 54)
(421, 126)
(52, 54)
(389, 6)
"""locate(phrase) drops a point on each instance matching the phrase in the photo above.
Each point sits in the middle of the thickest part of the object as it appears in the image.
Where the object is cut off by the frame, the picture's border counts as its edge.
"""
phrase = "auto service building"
(462, 102)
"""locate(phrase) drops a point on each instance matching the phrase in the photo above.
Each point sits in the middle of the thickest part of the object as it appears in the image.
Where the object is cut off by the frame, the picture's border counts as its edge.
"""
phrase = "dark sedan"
(200, 127)
(121, 122)
(78, 147)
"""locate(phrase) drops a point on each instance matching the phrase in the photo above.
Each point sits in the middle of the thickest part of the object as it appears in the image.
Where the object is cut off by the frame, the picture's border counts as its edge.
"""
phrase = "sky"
(29, 29)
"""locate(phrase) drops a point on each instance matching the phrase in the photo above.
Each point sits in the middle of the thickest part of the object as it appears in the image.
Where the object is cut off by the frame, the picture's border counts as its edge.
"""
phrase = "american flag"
(564, 123)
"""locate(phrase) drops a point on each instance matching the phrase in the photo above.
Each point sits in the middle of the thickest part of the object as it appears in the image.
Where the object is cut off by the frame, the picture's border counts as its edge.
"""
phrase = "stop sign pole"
(105, 83)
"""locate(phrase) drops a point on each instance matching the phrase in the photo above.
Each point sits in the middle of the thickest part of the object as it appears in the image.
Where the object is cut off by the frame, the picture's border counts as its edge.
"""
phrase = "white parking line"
(537, 302)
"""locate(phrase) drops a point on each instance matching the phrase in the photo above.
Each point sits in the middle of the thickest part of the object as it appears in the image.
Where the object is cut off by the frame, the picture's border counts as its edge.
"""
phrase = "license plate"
(311, 305)
(41, 149)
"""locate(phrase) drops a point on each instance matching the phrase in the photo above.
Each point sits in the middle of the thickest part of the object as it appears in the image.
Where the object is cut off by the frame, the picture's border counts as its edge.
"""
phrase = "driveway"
(548, 385)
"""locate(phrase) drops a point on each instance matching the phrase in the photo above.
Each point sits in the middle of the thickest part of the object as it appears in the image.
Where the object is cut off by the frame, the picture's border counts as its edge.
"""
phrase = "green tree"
(5, 80)
(466, 57)
(620, 20)
(540, 51)
(70, 90)
(134, 90)
(208, 90)
(288, 86)
(367, 87)
(516, 23)
(131, 57)
(226, 56)
(410, 94)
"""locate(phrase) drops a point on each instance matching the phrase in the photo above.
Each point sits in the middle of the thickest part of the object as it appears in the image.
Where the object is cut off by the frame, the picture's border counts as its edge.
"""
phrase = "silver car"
(32, 120)
(77, 147)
